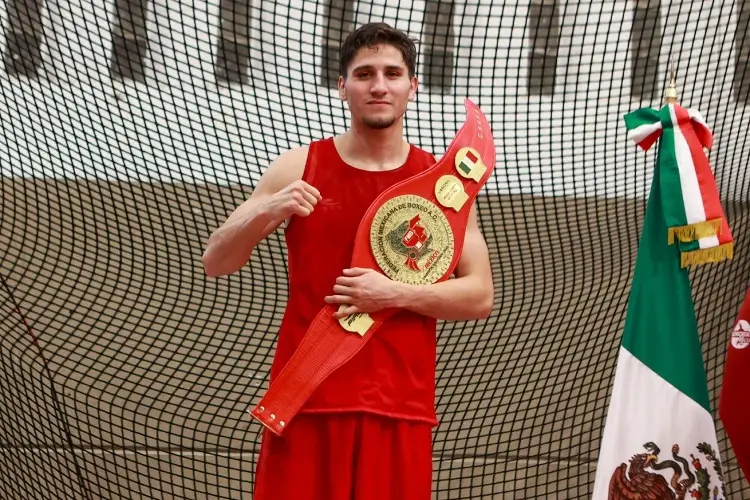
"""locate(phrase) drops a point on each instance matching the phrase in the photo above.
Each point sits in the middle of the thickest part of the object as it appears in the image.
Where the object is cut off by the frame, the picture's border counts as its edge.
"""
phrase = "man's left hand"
(363, 290)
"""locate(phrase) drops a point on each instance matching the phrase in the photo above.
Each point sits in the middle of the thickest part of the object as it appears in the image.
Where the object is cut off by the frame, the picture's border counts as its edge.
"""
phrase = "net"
(129, 129)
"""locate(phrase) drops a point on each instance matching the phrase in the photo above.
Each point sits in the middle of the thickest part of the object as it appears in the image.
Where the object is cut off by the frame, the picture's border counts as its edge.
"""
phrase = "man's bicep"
(474, 258)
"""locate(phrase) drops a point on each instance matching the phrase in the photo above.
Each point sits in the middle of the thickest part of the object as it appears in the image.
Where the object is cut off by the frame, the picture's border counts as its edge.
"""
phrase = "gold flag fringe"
(706, 255)
(695, 231)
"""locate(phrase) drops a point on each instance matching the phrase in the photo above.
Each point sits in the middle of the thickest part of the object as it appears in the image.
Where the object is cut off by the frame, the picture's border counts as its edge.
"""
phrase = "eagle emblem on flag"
(681, 479)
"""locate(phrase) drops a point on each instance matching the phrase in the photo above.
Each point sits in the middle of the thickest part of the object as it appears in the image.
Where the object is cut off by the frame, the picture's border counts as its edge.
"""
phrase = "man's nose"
(378, 85)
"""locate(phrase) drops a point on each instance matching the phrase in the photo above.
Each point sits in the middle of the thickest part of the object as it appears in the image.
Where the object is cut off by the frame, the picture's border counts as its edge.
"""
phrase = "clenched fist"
(298, 198)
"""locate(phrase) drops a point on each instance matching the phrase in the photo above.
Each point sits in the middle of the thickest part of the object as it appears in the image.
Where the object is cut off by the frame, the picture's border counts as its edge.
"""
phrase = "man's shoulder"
(288, 166)
(295, 157)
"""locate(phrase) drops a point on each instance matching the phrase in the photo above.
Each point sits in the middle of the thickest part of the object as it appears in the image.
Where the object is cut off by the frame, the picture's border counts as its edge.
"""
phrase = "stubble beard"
(378, 123)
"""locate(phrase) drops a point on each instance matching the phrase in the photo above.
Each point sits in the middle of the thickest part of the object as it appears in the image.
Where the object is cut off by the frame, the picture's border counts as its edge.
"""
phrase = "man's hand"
(363, 290)
(298, 198)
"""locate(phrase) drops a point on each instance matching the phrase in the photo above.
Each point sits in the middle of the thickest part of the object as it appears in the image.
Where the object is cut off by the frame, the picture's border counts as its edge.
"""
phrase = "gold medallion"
(412, 240)
(449, 191)
(356, 323)
(469, 164)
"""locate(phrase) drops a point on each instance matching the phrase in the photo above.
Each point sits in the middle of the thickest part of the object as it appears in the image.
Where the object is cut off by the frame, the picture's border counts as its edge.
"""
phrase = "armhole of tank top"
(310, 163)
(308, 172)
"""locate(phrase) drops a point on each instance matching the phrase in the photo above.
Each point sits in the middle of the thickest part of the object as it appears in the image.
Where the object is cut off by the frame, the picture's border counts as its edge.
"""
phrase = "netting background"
(129, 129)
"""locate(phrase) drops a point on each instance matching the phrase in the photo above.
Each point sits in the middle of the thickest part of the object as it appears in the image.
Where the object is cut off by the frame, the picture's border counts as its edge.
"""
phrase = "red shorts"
(348, 456)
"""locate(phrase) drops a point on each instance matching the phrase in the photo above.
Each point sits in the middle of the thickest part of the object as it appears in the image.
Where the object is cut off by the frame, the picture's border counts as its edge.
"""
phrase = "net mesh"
(131, 128)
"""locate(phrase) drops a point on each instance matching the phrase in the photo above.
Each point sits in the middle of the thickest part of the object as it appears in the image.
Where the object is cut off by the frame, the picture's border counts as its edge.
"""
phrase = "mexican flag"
(734, 406)
(468, 163)
(659, 440)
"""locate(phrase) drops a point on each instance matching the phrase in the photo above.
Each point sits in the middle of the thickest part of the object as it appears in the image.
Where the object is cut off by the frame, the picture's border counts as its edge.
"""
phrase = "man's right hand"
(298, 198)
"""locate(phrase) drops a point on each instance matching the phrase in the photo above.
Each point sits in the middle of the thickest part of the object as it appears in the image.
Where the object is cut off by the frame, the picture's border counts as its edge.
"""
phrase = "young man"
(366, 432)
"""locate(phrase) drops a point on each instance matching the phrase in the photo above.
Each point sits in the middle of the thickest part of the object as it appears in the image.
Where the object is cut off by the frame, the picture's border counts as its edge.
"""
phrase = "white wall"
(76, 121)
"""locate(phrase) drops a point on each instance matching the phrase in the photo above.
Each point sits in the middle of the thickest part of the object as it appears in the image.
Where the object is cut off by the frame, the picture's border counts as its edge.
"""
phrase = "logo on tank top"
(412, 240)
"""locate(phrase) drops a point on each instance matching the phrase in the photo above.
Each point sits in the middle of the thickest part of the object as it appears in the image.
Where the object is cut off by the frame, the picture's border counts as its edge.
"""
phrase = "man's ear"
(413, 90)
(342, 89)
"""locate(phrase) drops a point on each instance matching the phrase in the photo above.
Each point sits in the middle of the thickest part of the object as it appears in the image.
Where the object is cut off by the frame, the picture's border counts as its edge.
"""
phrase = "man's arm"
(280, 193)
(470, 295)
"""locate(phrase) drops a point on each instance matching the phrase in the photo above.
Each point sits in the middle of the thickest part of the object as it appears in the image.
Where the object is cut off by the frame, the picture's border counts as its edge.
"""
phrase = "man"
(366, 432)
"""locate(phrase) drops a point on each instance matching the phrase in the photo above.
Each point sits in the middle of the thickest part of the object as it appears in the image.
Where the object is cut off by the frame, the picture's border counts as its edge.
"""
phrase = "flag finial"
(670, 96)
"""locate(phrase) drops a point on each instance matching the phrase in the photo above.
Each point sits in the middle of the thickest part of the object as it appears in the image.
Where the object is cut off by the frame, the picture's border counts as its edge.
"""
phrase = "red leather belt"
(413, 232)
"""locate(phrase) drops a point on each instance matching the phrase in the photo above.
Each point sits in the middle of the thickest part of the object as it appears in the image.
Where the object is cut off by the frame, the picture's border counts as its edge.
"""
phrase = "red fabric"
(649, 141)
(703, 133)
(394, 374)
(734, 405)
(353, 456)
(706, 182)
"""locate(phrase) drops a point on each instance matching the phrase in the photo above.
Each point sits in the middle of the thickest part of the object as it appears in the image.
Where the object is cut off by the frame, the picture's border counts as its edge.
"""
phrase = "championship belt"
(413, 233)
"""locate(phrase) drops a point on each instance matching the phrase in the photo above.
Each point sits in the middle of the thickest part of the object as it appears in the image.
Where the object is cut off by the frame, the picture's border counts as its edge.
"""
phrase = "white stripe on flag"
(691, 193)
(640, 133)
(708, 242)
(698, 117)
(646, 408)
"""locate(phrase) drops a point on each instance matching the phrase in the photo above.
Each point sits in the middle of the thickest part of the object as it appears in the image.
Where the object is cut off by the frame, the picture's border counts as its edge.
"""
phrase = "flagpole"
(670, 95)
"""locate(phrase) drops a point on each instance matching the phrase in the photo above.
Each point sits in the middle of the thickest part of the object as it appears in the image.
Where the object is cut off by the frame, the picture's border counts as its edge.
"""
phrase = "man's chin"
(379, 123)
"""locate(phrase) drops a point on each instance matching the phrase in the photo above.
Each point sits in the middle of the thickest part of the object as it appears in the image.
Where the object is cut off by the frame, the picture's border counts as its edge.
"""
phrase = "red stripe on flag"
(734, 405)
(706, 181)
(471, 156)
(649, 140)
(725, 234)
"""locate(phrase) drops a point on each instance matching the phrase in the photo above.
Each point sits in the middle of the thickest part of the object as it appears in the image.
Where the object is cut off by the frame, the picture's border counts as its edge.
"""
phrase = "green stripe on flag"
(689, 246)
(661, 329)
(643, 116)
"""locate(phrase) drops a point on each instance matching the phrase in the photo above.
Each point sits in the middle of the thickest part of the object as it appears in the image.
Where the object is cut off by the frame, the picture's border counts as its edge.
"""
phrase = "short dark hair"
(372, 34)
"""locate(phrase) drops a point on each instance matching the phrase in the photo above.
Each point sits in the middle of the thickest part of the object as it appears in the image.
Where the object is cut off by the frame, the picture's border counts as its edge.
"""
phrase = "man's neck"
(371, 149)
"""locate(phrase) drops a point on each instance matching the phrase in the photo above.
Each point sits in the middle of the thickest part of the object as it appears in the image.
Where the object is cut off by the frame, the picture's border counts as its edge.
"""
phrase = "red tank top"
(394, 374)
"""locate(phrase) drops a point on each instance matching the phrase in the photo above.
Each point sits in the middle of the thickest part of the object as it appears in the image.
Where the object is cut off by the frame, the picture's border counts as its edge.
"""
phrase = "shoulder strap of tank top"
(424, 159)
(316, 150)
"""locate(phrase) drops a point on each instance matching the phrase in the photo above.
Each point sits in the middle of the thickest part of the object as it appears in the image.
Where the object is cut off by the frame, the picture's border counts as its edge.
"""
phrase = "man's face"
(377, 86)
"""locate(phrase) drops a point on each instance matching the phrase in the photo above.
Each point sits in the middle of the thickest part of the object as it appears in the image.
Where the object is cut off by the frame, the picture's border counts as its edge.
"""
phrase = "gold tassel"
(706, 255)
(695, 231)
